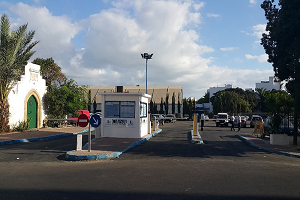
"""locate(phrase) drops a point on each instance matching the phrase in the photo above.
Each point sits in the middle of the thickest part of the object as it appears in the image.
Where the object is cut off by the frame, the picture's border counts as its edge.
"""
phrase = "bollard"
(195, 124)
(154, 123)
(79, 142)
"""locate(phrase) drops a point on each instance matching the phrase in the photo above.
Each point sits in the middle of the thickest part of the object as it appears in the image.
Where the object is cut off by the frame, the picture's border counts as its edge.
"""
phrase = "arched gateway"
(33, 109)
(25, 99)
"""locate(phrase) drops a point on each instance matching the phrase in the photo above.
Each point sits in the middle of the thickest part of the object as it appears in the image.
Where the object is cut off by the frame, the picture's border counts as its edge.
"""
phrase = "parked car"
(255, 118)
(170, 118)
(159, 118)
(186, 117)
(243, 121)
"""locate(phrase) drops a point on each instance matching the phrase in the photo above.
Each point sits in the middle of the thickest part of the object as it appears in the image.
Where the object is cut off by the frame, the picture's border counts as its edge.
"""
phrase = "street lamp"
(146, 56)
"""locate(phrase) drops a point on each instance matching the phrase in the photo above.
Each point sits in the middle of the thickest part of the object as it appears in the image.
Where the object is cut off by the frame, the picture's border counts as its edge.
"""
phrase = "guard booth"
(125, 115)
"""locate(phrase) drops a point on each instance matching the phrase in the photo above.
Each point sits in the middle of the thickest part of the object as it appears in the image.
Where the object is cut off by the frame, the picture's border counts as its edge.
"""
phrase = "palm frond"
(15, 51)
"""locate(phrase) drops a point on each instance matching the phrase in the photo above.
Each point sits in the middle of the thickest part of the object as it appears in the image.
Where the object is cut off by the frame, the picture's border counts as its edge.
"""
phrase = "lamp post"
(146, 56)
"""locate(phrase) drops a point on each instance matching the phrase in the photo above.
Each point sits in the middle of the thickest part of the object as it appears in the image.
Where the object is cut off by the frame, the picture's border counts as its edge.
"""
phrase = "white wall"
(30, 82)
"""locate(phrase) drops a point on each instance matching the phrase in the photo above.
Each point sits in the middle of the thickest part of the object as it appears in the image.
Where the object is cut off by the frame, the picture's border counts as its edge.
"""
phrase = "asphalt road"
(165, 167)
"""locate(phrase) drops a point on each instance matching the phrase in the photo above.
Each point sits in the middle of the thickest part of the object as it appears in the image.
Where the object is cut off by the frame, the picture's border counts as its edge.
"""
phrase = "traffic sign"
(83, 120)
(95, 120)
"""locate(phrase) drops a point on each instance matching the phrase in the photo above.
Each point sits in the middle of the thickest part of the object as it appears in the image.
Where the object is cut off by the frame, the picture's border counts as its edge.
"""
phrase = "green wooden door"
(32, 112)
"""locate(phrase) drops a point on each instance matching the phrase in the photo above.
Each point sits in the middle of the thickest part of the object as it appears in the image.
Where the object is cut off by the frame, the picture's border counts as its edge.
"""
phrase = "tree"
(188, 106)
(191, 106)
(65, 99)
(151, 106)
(282, 44)
(15, 51)
(233, 101)
(50, 71)
(90, 101)
(279, 104)
(178, 104)
(204, 99)
(155, 108)
(94, 106)
(185, 106)
(63, 96)
(262, 94)
(167, 104)
(161, 111)
(173, 103)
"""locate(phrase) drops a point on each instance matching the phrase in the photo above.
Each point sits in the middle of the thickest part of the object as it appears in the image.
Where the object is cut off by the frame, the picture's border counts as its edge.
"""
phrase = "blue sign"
(95, 121)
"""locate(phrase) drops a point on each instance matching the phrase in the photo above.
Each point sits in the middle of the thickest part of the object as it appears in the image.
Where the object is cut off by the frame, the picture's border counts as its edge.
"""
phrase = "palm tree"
(15, 51)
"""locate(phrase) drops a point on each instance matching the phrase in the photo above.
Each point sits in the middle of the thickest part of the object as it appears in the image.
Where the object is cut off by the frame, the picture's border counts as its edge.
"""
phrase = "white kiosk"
(125, 115)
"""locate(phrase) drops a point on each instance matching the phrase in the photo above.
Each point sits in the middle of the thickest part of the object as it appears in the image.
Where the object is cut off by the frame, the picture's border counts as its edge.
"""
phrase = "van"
(222, 119)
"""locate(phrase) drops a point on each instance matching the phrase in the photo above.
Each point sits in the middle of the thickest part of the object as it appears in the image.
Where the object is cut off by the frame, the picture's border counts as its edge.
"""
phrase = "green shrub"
(21, 126)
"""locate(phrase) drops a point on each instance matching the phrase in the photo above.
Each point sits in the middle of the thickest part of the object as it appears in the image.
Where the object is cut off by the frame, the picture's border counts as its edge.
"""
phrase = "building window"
(143, 109)
(127, 109)
(119, 109)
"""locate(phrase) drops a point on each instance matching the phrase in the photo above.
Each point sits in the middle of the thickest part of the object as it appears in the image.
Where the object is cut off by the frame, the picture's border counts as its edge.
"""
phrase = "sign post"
(95, 121)
(90, 138)
(83, 121)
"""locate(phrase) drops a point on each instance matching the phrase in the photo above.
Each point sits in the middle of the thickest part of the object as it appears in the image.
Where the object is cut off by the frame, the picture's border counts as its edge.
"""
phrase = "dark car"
(254, 119)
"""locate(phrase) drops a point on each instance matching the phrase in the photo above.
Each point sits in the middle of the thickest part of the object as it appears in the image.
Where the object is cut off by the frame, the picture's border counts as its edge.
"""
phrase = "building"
(157, 93)
(213, 90)
(25, 99)
(124, 115)
(268, 85)
(208, 107)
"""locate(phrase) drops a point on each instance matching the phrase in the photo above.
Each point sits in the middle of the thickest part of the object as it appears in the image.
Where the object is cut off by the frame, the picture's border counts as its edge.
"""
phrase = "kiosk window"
(121, 109)
(112, 109)
(127, 109)
(143, 109)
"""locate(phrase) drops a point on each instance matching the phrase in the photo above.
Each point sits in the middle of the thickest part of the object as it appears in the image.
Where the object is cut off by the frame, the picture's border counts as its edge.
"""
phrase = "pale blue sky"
(196, 44)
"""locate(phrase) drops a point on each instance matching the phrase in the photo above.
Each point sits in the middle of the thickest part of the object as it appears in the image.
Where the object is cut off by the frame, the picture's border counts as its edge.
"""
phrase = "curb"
(196, 141)
(266, 149)
(39, 138)
(71, 155)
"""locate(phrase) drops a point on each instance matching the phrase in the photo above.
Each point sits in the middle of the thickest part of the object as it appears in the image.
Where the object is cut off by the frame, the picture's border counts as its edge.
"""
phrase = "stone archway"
(38, 99)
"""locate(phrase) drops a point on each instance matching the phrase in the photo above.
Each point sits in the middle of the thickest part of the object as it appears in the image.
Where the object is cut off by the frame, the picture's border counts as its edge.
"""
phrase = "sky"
(195, 44)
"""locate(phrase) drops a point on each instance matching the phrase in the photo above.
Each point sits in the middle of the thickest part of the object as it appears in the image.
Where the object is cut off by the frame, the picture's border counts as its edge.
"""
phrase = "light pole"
(146, 56)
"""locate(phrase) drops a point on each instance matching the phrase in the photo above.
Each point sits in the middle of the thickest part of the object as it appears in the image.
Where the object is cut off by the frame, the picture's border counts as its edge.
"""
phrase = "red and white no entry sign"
(83, 120)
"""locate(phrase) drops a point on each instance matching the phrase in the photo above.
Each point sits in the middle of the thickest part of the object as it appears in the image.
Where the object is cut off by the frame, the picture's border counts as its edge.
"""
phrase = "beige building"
(157, 93)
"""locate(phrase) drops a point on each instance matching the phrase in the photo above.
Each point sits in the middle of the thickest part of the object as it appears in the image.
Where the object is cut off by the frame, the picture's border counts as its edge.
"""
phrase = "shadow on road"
(61, 194)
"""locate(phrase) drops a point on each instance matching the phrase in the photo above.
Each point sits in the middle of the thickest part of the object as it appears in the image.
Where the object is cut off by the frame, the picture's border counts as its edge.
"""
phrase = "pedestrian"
(232, 122)
(239, 121)
(202, 121)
